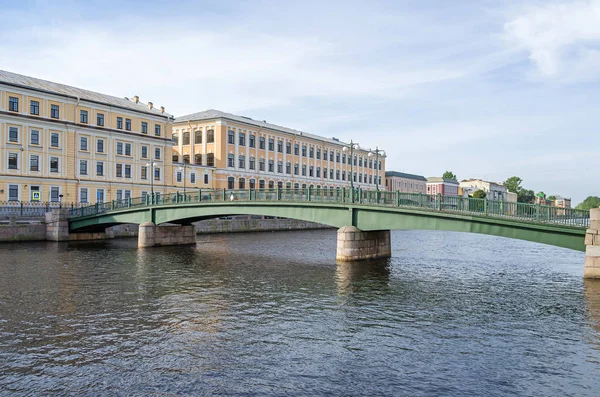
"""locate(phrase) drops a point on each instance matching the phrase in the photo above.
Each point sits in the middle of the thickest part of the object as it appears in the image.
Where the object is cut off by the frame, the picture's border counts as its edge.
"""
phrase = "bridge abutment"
(592, 246)
(57, 225)
(355, 245)
(151, 235)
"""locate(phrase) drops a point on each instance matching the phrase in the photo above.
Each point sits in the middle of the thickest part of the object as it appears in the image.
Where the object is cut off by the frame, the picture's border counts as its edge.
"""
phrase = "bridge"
(364, 218)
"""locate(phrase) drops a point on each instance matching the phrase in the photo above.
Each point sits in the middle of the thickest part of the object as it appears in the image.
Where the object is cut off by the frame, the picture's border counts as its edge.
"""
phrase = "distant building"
(405, 183)
(562, 202)
(443, 186)
(494, 191)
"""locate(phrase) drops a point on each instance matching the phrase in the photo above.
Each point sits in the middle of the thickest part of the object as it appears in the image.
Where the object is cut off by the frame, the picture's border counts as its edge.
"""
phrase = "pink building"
(443, 186)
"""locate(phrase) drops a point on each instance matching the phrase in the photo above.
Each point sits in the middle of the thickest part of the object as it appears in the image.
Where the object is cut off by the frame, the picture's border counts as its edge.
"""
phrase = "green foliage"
(479, 194)
(526, 196)
(589, 203)
(513, 184)
(449, 175)
(552, 197)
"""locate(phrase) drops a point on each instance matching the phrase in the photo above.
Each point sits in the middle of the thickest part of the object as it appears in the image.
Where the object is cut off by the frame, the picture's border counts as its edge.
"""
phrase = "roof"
(404, 175)
(211, 114)
(438, 179)
(74, 92)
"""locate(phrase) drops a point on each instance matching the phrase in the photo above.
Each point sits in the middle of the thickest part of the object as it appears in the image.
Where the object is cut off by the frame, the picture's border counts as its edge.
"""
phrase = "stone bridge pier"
(151, 235)
(355, 245)
(592, 246)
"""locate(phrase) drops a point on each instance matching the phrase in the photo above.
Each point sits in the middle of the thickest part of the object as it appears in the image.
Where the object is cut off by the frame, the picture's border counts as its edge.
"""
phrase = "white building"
(494, 191)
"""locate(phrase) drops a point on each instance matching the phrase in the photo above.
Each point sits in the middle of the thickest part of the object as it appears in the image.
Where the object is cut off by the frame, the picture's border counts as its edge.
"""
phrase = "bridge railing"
(454, 204)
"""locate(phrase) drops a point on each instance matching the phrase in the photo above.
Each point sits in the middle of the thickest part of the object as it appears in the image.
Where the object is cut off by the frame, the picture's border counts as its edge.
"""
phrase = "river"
(272, 314)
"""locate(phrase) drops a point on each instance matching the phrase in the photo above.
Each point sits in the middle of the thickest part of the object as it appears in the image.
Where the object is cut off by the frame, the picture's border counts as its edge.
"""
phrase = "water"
(272, 314)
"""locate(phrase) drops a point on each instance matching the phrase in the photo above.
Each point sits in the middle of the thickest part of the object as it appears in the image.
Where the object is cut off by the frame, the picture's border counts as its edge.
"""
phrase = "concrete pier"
(151, 235)
(57, 225)
(592, 246)
(354, 244)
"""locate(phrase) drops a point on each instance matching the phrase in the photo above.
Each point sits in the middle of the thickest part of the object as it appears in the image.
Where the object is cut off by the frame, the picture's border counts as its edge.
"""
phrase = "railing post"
(199, 195)
(308, 189)
(397, 198)
(278, 193)
(112, 205)
(224, 195)
(343, 194)
(537, 212)
(96, 208)
(485, 205)
(438, 203)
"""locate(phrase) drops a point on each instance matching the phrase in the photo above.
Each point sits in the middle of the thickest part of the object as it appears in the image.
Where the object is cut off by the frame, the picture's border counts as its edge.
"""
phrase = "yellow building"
(61, 143)
(222, 150)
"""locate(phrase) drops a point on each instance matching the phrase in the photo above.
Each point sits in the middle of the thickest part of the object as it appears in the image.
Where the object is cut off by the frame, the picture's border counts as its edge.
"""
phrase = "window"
(303, 169)
(210, 136)
(192, 178)
(343, 159)
(252, 163)
(330, 174)
(241, 161)
(53, 164)
(318, 172)
(231, 137)
(271, 144)
(100, 119)
(34, 108)
(261, 184)
(119, 194)
(13, 104)
(325, 154)
(128, 149)
(325, 173)
(119, 147)
(261, 164)
(231, 183)
(119, 169)
(331, 155)
(127, 171)
(210, 160)
(83, 195)
(83, 167)
(144, 172)
(144, 152)
(54, 139)
(311, 171)
(34, 163)
(242, 139)
(242, 183)
(178, 176)
(296, 149)
(318, 154)
(99, 195)
(120, 123)
(280, 167)
(303, 150)
(83, 143)
(271, 166)
(186, 158)
(157, 130)
(280, 146)
(261, 142)
(360, 161)
(379, 166)
(296, 169)
(13, 160)
(198, 159)
(230, 160)
(175, 137)
(206, 179)
(186, 138)
(252, 184)
(354, 160)
(343, 175)
(337, 157)
(144, 127)
(197, 137)
(34, 138)
(271, 185)
(337, 175)
(175, 158)
(13, 134)
(128, 124)
(288, 148)
(99, 168)
(157, 153)
(54, 194)
(252, 141)
(54, 111)
(288, 168)
(13, 192)
(311, 152)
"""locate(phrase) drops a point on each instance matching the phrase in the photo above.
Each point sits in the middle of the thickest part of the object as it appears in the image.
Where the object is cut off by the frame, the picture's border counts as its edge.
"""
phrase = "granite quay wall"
(592, 246)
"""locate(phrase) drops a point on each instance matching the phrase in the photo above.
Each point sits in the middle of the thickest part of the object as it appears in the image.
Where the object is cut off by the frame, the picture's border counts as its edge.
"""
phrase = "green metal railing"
(451, 204)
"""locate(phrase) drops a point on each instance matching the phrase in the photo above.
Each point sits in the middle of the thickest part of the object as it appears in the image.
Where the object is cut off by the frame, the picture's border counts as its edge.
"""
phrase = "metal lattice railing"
(452, 204)
(30, 208)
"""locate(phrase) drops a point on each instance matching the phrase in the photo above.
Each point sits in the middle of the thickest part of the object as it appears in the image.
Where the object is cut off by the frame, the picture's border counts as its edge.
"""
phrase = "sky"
(483, 88)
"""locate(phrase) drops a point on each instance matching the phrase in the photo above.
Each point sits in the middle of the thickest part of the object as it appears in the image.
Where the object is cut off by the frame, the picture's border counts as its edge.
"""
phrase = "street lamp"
(151, 165)
(377, 151)
(352, 146)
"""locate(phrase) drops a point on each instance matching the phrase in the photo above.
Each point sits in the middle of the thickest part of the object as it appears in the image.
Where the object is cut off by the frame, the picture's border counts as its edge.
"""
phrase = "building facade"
(222, 150)
(494, 191)
(443, 186)
(61, 143)
(405, 183)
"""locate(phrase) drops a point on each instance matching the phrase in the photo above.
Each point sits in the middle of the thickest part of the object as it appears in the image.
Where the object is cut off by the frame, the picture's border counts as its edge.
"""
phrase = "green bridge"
(364, 218)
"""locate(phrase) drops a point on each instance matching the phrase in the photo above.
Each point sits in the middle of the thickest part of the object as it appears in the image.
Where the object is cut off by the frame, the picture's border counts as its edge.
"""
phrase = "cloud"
(562, 39)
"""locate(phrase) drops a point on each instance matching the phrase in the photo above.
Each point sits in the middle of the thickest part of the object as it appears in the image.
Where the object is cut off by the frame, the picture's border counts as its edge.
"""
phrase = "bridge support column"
(57, 225)
(151, 235)
(355, 245)
(592, 246)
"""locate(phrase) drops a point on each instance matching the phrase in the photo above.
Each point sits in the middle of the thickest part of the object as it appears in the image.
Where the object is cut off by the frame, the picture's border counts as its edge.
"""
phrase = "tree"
(479, 194)
(552, 198)
(449, 175)
(513, 184)
(589, 203)
(526, 196)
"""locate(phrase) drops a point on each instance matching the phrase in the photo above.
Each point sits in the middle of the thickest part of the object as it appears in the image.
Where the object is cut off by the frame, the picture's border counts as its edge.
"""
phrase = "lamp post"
(352, 146)
(151, 165)
(377, 151)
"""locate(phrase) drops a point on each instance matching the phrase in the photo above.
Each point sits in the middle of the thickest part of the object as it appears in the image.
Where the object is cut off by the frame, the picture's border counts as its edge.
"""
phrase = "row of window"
(34, 109)
(192, 175)
(210, 137)
(34, 162)
(210, 159)
(35, 193)
(262, 184)
(34, 137)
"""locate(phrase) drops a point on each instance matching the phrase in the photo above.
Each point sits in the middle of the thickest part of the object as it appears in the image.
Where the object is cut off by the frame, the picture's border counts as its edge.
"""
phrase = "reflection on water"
(274, 314)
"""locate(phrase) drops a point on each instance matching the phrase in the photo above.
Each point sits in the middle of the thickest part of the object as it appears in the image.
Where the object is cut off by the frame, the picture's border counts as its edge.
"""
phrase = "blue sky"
(486, 89)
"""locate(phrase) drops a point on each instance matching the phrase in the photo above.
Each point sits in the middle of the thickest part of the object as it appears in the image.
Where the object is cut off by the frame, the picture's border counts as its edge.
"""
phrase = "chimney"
(136, 99)
(150, 105)
(162, 109)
